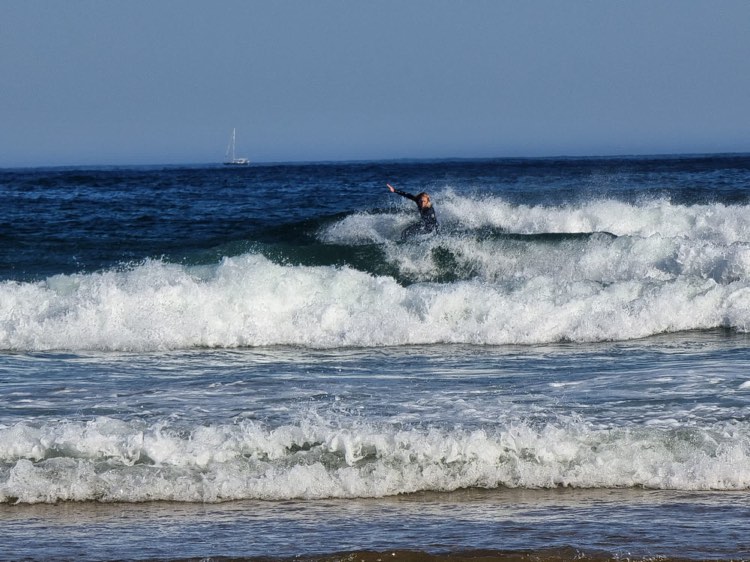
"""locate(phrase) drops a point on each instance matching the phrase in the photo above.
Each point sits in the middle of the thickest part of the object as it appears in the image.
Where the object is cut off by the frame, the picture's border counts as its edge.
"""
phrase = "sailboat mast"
(232, 159)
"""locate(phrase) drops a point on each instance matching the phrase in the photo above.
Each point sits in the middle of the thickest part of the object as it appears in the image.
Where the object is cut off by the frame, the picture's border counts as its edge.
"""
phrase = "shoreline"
(473, 525)
(542, 555)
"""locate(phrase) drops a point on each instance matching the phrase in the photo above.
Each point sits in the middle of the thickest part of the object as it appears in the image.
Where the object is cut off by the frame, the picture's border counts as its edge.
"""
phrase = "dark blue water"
(68, 220)
(207, 362)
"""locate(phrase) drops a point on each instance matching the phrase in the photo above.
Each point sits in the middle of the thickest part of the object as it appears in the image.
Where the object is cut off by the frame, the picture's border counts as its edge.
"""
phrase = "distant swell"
(110, 460)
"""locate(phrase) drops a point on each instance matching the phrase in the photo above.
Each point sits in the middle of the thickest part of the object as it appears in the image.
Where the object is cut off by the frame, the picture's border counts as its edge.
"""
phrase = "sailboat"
(232, 160)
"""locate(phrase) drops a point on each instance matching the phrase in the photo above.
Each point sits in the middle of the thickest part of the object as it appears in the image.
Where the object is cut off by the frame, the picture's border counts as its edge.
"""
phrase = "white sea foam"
(110, 460)
(598, 258)
(716, 222)
(655, 240)
(671, 268)
(250, 301)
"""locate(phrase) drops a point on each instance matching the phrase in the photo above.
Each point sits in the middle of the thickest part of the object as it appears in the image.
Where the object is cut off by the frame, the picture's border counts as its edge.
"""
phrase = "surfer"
(428, 220)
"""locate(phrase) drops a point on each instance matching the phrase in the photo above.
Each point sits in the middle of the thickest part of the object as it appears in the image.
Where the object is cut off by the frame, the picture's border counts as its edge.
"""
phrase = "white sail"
(231, 158)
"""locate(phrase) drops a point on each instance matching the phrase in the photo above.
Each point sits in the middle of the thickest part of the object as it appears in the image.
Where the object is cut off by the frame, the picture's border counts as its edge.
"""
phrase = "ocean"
(212, 363)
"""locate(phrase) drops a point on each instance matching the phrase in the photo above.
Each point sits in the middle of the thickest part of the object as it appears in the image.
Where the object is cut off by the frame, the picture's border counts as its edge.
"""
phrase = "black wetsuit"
(428, 222)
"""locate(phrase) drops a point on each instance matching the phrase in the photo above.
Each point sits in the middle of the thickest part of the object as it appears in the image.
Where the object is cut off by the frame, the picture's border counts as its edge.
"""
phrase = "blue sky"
(151, 82)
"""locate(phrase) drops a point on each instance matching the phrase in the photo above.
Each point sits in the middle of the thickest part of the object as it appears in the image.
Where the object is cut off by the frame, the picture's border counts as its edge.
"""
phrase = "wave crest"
(250, 301)
(110, 460)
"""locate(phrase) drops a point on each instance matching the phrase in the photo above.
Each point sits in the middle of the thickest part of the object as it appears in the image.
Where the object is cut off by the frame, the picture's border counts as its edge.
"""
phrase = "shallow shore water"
(467, 524)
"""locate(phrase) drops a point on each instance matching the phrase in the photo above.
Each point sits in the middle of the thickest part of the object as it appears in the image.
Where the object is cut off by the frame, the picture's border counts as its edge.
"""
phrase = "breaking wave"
(507, 274)
(110, 460)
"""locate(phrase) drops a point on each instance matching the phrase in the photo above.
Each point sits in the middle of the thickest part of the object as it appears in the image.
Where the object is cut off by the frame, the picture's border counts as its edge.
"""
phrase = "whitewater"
(506, 274)
(108, 460)
(198, 361)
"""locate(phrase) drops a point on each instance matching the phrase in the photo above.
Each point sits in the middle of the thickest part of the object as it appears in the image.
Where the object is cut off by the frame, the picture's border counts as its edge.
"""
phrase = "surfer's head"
(423, 201)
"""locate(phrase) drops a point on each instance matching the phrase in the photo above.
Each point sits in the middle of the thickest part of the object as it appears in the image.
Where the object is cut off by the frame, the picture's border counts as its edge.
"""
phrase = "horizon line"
(219, 164)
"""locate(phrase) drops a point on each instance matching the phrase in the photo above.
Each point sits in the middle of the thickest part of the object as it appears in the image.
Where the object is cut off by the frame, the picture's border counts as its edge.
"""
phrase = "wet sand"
(504, 524)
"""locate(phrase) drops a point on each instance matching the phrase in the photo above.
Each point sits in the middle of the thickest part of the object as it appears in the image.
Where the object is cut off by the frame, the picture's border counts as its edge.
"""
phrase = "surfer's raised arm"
(407, 195)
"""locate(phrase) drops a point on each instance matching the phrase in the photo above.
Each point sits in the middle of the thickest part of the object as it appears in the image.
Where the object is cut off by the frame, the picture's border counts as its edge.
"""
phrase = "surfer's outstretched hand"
(391, 187)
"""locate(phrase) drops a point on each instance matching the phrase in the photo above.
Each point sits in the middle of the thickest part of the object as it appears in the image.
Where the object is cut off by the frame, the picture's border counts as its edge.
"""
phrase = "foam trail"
(598, 257)
(715, 222)
(654, 240)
